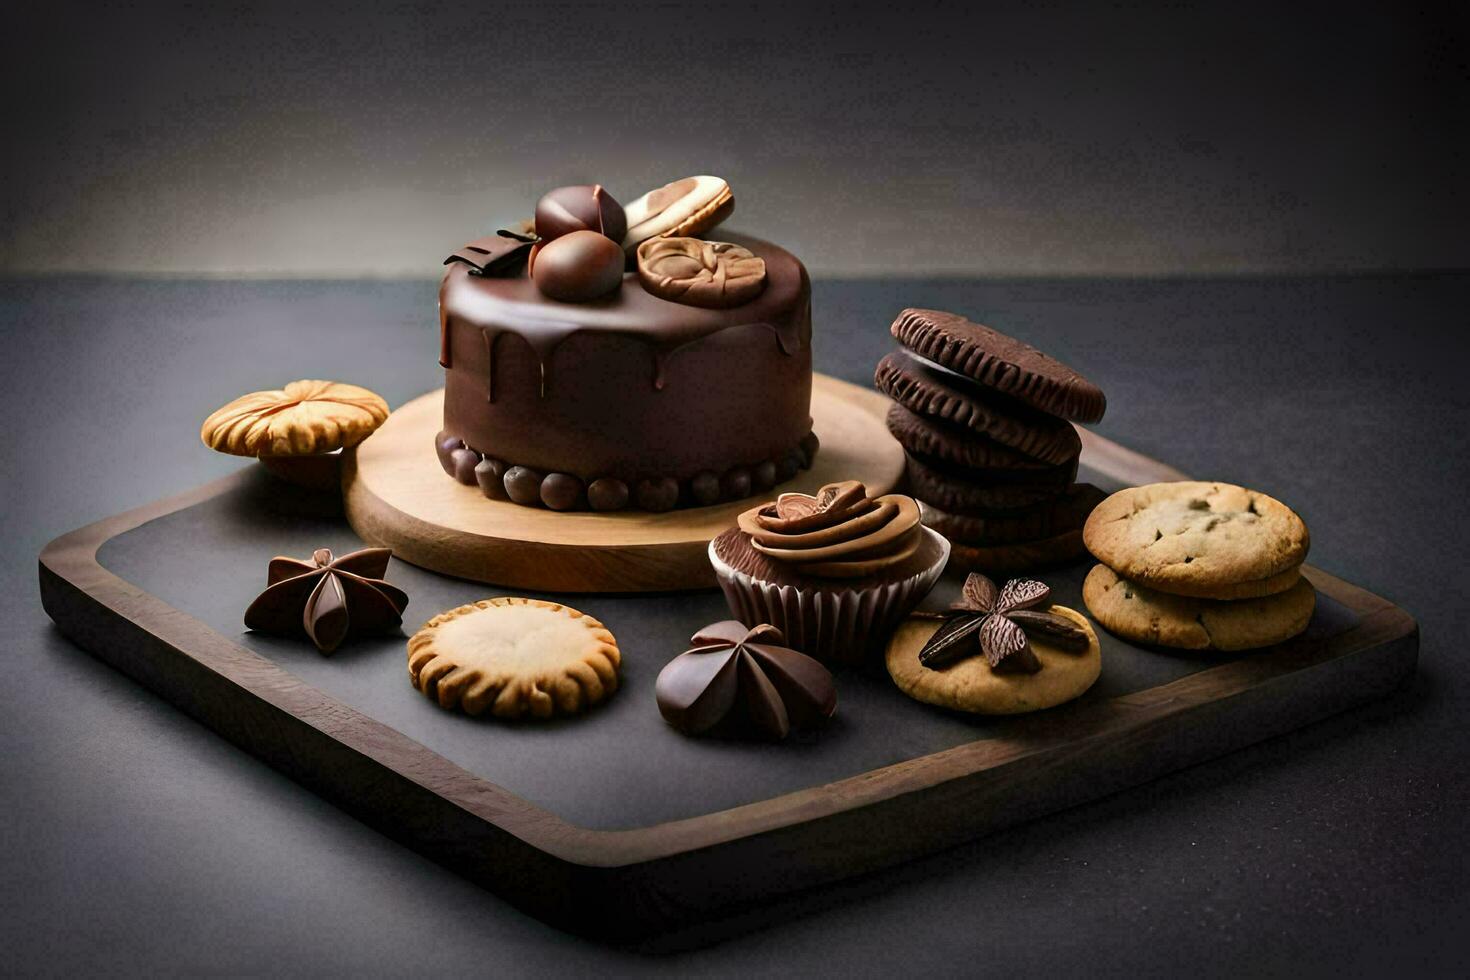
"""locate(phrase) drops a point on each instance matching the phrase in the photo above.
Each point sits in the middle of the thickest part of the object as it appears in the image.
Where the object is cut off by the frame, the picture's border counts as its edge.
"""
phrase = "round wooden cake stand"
(397, 496)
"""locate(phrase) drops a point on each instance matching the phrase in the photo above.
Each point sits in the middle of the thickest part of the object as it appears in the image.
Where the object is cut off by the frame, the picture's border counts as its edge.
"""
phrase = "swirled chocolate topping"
(840, 532)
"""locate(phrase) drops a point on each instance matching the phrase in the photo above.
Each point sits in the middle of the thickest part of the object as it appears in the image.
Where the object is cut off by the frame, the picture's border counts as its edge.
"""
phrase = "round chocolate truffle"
(561, 491)
(523, 485)
(763, 476)
(657, 495)
(578, 266)
(490, 474)
(705, 488)
(607, 494)
(465, 461)
(445, 445)
(788, 466)
(580, 207)
(736, 483)
(809, 445)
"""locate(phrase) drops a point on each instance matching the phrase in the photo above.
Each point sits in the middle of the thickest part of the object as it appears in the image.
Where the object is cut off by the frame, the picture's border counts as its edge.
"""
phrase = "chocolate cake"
(683, 380)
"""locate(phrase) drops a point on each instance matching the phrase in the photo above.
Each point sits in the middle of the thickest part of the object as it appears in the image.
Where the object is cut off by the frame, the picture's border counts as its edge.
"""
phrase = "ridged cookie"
(515, 657)
(1001, 363)
(304, 418)
(927, 391)
(957, 446)
(1143, 615)
(1198, 539)
(974, 493)
(1066, 513)
(1011, 559)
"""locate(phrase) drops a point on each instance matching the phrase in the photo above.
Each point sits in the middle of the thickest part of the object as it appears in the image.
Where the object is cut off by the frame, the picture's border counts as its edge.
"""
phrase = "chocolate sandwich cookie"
(956, 446)
(1024, 556)
(1000, 363)
(1066, 513)
(938, 393)
(975, 493)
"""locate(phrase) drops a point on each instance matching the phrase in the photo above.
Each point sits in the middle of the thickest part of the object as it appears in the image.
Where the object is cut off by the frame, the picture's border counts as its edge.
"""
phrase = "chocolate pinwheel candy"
(835, 571)
(328, 599)
(714, 275)
(739, 680)
(997, 651)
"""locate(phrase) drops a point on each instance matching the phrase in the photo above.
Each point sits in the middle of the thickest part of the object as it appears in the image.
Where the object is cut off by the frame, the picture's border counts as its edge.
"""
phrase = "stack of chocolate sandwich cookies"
(986, 426)
(1198, 566)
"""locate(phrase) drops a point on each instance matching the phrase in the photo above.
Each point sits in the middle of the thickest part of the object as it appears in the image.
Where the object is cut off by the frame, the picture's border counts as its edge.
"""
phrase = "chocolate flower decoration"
(328, 598)
(1000, 621)
(743, 680)
(500, 254)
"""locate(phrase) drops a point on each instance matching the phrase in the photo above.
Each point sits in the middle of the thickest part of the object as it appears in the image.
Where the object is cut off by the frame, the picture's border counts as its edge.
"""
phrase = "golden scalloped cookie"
(304, 418)
(515, 658)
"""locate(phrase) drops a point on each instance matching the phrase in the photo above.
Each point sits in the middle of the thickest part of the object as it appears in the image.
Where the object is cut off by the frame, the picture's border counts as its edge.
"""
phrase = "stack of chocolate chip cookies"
(1198, 566)
(986, 424)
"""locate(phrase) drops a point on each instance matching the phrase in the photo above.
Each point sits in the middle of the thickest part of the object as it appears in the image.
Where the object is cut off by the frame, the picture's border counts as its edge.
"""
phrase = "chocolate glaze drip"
(445, 358)
(515, 306)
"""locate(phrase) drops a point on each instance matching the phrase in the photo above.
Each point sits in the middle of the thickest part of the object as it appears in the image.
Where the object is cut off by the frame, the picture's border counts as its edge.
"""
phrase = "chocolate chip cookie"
(1207, 540)
(1143, 615)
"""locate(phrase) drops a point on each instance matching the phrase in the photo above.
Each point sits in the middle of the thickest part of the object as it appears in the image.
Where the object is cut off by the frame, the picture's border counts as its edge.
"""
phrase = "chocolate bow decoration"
(499, 254)
(739, 678)
(1000, 621)
(328, 598)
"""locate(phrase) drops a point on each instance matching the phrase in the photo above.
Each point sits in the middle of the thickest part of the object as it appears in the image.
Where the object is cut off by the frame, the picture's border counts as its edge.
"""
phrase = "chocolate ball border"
(501, 480)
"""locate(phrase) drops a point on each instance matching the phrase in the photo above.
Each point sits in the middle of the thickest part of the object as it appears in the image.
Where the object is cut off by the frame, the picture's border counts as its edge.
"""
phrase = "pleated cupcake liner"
(848, 626)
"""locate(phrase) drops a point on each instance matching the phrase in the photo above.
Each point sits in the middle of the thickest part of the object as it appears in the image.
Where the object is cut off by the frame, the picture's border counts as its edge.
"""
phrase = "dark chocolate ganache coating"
(629, 385)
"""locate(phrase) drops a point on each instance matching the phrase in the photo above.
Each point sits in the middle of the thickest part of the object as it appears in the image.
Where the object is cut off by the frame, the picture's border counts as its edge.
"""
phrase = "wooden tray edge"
(618, 884)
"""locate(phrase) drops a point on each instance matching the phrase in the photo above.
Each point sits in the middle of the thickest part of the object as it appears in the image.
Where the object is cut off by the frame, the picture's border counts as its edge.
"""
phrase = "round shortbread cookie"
(933, 392)
(515, 657)
(1143, 615)
(1003, 363)
(1207, 540)
(970, 685)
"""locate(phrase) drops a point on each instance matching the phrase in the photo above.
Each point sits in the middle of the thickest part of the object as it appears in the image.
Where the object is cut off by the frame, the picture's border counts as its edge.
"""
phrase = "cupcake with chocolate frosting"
(835, 572)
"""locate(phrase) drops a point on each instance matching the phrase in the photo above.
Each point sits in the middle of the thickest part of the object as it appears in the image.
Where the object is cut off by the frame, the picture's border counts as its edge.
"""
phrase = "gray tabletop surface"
(134, 840)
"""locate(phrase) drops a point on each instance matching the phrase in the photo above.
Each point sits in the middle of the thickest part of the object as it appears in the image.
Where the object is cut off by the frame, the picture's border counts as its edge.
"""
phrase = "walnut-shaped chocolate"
(713, 275)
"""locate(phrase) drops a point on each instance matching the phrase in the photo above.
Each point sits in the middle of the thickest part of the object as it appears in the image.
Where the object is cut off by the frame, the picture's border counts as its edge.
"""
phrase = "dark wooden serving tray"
(613, 825)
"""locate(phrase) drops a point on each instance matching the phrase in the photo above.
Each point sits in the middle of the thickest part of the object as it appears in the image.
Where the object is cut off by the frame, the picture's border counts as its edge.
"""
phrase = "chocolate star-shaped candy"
(328, 598)
(500, 254)
(743, 680)
(1000, 621)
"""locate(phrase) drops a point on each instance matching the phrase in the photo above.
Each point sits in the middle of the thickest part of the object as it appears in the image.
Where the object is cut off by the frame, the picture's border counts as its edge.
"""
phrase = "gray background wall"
(349, 139)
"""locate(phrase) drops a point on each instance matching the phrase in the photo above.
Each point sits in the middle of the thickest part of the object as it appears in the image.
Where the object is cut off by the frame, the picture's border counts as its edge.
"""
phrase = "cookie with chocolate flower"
(996, 651)
(834, 571)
